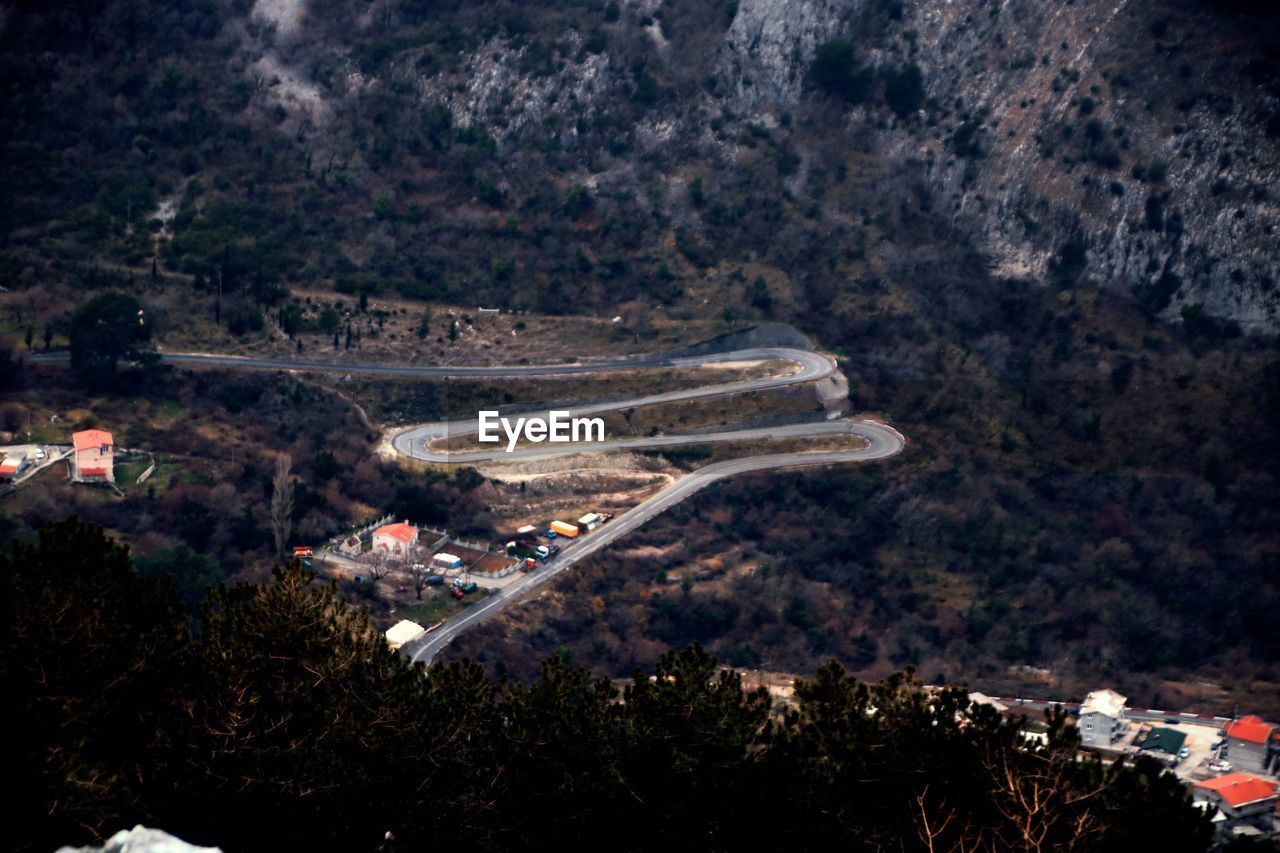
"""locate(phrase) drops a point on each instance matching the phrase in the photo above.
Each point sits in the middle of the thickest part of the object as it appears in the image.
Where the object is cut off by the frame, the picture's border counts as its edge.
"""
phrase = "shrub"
(836, 72)
(904, 90)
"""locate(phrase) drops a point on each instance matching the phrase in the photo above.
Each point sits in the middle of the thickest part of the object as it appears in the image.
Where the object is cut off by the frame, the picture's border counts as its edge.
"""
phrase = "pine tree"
(281, 503)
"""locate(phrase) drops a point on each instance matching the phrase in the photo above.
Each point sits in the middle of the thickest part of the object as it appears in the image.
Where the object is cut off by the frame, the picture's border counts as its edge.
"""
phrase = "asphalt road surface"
(882, 442)
(415, 442)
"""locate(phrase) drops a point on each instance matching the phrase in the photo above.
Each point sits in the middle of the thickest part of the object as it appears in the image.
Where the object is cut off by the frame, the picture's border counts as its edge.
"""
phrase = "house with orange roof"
(1241, 800)
(93, 460)
(11, 465)
(1253, 744)
(395, 540)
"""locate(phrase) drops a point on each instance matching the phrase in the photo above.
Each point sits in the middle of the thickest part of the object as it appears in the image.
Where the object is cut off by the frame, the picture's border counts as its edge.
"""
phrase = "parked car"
(457, 593)
(1172, 720)
(40, 453)
(1184, 753)
(554, 549)
(469, 587)
(435, 580)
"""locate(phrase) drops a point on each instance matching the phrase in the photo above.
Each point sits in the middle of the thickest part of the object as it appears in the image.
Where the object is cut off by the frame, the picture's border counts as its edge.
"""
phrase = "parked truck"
(520, 549)
(564, 529)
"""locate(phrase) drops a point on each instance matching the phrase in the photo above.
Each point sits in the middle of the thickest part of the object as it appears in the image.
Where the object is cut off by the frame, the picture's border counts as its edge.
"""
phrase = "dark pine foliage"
(285, 722)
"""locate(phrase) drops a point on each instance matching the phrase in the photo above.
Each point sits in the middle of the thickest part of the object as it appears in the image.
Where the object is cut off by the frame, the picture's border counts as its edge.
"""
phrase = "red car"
(457, 592)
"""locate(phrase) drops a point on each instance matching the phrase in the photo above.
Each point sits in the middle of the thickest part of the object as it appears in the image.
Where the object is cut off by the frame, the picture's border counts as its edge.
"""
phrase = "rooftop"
(1250, 728)
(1238, 789)
(984, 699)
(91, 439)
(402, 531)
(402, 632)
(1106, 702)
(1165, 740)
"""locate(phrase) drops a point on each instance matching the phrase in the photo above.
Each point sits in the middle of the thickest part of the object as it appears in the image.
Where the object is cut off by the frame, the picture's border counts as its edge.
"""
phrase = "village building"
(395, 540)
(12, 464)
(1102, 718)
(1253, 744)
(1163, 739)
(402, 632)
(983, 699)
(1241, 801)
(93, 460)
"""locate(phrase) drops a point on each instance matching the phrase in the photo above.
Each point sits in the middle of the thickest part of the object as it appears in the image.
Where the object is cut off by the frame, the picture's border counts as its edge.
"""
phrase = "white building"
(983, 699)
(94, 460)
(13, 464)
(395, 540)
(1102, 718)
(403, 632)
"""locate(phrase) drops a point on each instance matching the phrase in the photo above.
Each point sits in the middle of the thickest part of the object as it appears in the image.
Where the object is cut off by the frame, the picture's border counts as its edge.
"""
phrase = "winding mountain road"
(417, 442)
(882, 442)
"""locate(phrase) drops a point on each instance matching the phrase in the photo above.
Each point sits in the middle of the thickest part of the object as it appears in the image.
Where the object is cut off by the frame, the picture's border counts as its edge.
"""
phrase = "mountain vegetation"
(282, 720)
(1041, 236)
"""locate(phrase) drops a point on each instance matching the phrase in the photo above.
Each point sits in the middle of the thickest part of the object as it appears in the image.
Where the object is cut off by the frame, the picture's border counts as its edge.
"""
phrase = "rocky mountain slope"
(1132, 141)
(1034, 233)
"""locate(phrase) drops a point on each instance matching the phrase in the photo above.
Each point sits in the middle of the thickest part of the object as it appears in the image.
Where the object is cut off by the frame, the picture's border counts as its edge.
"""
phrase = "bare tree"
(418, 571)
(380, 565)
(282, 503)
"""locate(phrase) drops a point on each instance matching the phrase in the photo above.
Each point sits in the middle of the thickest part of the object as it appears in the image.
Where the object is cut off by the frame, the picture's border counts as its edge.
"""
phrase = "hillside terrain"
(1040, 238)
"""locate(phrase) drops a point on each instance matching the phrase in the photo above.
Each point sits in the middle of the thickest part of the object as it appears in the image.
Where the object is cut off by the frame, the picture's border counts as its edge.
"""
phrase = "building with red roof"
(395, 539)
(1253, 744)
(12, 465)
(93, 460)
(1241, 799)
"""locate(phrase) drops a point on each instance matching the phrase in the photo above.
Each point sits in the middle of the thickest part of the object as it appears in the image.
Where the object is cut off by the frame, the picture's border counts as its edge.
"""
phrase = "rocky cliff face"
(1132, 127)
(1125, 144)
(1123, 137)
(1132, 131)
